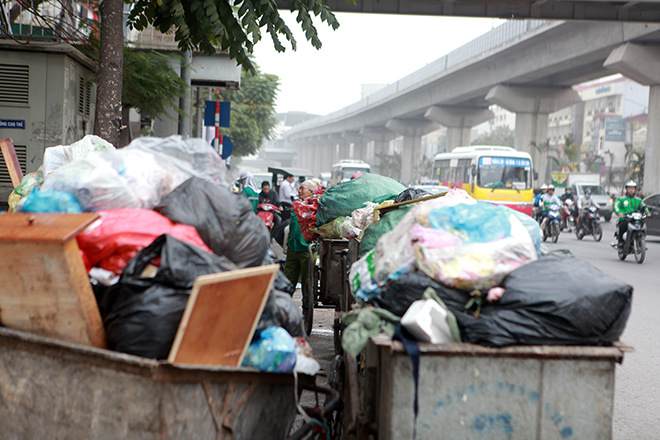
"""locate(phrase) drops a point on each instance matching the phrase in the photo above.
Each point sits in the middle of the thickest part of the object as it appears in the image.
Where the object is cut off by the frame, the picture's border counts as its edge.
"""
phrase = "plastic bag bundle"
(280, 310)
(411, 194)
(119, 234)
(306, 211)
(224, 220)
(362, 272)
(29, 182)
(457, 241)
(56, 157)
(342, 199)
(273, 351)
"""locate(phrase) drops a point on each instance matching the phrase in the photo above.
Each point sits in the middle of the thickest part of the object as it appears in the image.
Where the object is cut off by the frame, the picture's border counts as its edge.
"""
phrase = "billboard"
(615, 129)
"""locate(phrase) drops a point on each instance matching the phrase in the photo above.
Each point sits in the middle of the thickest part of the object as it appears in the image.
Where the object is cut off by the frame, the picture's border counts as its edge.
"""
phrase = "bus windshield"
(347, 173)
(504, 172)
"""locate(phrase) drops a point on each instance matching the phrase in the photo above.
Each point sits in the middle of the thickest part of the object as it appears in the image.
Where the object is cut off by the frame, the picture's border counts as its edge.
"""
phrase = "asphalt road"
(637, 381)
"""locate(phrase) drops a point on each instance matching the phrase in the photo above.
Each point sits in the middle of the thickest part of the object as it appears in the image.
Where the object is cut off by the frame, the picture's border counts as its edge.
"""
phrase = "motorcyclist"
(547, 200)
(584, 202)
(626, 205)
(537, 202)
(568, 195)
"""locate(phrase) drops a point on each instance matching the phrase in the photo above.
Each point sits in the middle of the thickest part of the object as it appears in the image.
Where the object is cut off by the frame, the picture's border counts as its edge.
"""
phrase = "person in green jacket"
(296, 266)
(626, 205)
(250, 189)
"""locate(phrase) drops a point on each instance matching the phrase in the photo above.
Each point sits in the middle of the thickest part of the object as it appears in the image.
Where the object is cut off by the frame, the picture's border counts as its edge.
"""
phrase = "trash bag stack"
(166, 216)
(479, 270)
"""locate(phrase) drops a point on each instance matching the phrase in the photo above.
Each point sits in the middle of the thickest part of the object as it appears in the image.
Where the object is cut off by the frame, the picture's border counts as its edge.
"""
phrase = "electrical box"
(47, 98)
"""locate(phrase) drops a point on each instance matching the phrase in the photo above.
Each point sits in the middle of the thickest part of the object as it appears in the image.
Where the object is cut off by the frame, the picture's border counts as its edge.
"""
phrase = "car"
(652, 202)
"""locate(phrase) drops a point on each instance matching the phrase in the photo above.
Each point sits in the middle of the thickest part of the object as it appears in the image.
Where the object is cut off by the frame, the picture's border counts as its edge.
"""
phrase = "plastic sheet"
(224, 220)
(273, 351)
(56, 157)
(142, 314)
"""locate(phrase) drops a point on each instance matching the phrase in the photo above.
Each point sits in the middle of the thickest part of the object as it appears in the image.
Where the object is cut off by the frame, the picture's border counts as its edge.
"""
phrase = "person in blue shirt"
(537, 201)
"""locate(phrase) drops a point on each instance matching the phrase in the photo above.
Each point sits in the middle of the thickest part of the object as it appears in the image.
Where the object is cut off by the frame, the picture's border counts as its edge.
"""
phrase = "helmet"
(631, 183)
(569, 189)
(551, 187)
(544, 186)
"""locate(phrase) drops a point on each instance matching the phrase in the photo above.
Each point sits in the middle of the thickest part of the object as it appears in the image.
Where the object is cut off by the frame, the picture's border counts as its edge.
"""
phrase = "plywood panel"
(13, 166)
(43, 228)
(221, 316)
(44, 287)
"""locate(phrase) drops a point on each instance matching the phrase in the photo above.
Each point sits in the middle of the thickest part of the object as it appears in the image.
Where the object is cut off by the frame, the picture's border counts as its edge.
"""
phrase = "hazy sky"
(366, 49)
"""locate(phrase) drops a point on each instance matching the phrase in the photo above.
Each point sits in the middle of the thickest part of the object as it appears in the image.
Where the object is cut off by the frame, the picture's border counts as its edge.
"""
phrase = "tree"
(634, 165)
(252, 111)
(499, 136)
(390, 165)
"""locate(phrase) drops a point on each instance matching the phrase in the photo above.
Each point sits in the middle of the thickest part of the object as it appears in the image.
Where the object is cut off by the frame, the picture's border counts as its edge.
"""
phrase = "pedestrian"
(296, 267)
(250, 189)
(286, 196)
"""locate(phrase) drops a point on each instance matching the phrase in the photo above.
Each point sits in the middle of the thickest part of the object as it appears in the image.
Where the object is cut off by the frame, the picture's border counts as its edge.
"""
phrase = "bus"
(499, 175)
(344, 170)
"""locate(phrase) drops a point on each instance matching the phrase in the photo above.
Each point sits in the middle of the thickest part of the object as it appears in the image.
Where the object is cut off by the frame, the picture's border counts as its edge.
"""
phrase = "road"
(637, 382)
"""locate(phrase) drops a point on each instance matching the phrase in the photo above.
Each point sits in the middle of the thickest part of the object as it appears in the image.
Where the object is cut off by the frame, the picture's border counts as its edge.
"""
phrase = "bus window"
(463, 170)
(499, 172)
(442, 170)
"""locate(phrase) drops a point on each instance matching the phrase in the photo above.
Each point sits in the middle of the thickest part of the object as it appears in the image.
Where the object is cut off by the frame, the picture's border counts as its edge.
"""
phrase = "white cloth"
(286, 192)
(248, 181)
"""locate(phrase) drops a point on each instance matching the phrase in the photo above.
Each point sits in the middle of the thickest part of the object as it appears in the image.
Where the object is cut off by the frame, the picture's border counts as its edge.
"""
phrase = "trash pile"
(166, 217)
(451, 269)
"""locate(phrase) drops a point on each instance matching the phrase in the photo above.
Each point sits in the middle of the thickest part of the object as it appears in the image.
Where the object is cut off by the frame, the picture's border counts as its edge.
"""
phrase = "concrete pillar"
(412, 131)
(532, 106)
(459, 122)
(328, 157)
(642, 64)
(359, 147)
(381, 138)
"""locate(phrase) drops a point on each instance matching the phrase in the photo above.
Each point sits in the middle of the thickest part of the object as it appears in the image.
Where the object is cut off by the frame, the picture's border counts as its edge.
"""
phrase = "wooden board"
(44, 287)
(221, 316)
(13, 166)
(43, 228)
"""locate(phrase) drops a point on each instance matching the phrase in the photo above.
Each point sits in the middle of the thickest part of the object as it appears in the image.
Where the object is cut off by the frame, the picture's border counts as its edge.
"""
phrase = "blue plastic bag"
(51, 201)
(274, 351)
(477, 223)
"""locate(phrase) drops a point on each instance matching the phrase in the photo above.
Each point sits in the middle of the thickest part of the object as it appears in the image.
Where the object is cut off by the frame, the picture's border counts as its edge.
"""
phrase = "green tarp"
(344, 198)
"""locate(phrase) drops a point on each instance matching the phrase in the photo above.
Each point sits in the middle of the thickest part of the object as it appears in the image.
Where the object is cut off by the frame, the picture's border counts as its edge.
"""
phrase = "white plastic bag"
(56, 157)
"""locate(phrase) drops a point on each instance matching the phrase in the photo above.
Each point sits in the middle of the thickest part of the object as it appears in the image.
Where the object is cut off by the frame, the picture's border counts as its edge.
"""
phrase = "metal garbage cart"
(468, 391)
(329, 262)
(59, 390)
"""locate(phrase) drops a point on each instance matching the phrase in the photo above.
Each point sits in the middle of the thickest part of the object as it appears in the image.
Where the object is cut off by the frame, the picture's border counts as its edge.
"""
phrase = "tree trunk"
(107, 121)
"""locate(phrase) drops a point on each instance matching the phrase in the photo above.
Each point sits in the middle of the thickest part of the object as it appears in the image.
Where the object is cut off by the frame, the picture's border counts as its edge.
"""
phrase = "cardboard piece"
(44, 287)
(13, 166)
(221, 315)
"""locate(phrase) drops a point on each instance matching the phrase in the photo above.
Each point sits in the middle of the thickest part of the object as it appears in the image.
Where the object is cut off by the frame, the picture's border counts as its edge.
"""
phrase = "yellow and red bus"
(500, 175)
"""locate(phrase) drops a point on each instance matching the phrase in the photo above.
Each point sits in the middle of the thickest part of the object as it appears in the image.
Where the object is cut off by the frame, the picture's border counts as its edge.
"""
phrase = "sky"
(365, 49)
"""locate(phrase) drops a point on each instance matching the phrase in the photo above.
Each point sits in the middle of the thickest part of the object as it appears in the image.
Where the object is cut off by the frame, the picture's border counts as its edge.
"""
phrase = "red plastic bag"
(120, 234)
(306, 211)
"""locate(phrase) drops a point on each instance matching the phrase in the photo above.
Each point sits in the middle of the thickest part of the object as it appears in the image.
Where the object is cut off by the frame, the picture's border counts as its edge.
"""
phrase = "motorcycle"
(567, 215)
(634, 239)
(266, 212)
(590, 225)
(550, 223)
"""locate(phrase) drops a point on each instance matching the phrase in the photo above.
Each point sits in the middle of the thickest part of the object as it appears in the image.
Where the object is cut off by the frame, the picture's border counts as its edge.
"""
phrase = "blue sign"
(227, 146)
(505, 162)
(209, 113)
(12, 123)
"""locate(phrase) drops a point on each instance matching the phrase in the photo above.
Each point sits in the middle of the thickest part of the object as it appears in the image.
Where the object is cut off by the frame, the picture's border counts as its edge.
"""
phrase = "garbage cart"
(468, 391)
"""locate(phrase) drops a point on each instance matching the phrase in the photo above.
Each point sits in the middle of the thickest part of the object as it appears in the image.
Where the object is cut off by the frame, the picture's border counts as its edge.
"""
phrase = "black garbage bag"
(223, 219)
(141, 315)
(411, 194)
(281, 311)
(551, 301)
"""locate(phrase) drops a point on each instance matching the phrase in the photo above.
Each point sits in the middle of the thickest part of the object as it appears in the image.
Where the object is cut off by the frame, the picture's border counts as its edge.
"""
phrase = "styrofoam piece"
(427, 322)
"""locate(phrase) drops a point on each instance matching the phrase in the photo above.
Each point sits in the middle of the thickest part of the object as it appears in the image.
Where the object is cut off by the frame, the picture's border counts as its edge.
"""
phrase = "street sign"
(223, 145)
(615, 129)
(217, 111)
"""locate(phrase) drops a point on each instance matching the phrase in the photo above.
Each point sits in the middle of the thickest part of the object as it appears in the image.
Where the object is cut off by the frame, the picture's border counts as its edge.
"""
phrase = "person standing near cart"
(286, 196)
(250, 189)
(296, 267)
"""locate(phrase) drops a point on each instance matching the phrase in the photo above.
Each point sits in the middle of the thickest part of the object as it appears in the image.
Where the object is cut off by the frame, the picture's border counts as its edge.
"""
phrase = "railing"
(503, 35)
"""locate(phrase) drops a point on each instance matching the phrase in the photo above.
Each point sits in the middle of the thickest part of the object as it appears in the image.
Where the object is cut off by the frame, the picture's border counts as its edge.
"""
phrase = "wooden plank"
(43, 228)
(13, 166)
(221, 316)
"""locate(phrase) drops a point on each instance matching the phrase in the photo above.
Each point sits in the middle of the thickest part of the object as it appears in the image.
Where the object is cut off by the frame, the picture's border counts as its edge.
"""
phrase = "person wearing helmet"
(584, 203)
(548, 199)
(537, 202)
(627, 204)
